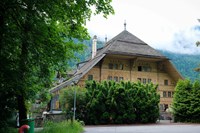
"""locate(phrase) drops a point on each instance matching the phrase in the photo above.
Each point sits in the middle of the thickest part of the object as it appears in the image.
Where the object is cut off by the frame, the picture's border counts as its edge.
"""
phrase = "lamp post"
(74, 115)
(74, 108)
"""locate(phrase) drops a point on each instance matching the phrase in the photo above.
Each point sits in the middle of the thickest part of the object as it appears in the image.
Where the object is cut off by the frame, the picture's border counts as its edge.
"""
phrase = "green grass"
(8, 130)
(62, 127)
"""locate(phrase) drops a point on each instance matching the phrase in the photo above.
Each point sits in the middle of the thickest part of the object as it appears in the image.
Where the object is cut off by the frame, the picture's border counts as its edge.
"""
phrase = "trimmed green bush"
(112, 102)
(186, 102)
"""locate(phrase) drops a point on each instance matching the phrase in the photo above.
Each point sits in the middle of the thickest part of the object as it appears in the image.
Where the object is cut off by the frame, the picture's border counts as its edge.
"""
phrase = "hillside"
(184, 63)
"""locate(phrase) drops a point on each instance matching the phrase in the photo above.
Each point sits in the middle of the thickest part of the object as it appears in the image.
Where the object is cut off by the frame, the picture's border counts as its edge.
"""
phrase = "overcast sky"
(163, 24)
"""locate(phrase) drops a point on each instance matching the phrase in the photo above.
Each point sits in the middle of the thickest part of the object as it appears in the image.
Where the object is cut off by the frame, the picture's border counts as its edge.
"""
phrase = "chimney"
(94, 46)
(106, 39)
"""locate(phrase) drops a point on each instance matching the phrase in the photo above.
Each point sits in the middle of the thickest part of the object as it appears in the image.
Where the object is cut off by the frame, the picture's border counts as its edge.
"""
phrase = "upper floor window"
(172, 93)
(144, 68)
(169, 94)
(110, 66)
(90, 77)
(164, 94)
(121, 66)
(115, 66)
(165, 82)
(139, 68)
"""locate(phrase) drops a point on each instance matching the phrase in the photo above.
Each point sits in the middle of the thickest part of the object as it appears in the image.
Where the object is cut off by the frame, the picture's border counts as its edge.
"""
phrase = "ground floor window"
(90, 77)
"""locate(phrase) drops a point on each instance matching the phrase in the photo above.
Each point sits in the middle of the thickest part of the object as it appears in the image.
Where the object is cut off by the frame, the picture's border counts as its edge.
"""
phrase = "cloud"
(183, 41)
(167, 24)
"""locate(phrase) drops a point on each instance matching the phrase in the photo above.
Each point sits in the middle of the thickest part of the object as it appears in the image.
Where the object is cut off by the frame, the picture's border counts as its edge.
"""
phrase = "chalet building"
(126, 57)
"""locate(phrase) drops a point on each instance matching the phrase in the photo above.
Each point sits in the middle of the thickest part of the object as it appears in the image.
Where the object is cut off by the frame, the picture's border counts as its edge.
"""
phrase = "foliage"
(62, 127)
(35, 41)
(124, 102)
(8, 130)
(186, 102)
(198, 68)
(67, 101)
(109, 102)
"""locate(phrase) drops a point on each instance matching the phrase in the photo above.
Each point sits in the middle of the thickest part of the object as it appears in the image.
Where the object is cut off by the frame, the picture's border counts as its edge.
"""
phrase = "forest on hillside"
(184, 63)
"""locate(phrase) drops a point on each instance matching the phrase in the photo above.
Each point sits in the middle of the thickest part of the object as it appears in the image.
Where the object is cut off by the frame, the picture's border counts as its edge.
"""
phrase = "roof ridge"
(132, 42)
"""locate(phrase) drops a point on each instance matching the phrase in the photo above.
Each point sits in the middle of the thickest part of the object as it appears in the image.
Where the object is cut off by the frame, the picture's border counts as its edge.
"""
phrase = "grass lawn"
(62, 127)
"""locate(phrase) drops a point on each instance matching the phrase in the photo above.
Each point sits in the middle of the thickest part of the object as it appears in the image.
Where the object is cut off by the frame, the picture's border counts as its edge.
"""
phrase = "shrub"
(112, 102)
(186, 102)
(121, 103)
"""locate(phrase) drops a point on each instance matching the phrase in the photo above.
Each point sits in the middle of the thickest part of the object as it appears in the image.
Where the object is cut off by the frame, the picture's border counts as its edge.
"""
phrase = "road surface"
(155, 128)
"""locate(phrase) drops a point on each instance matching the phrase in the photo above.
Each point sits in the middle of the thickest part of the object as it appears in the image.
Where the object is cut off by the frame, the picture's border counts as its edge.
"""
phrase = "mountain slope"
(185, 64)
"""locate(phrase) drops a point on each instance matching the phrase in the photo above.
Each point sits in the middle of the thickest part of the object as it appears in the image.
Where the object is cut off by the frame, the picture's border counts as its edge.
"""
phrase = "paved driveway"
(156, 128)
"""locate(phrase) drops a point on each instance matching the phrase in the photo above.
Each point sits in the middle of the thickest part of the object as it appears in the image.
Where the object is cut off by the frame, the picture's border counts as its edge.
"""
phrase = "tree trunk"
(23, 70)
(22, 108)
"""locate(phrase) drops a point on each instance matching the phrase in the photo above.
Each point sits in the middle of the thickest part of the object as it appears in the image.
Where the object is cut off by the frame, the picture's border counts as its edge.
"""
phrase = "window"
(121, 78)
(165, 82)
(172, 93)
(110, 66)
(164, 94)
(139, 79)
(144, 68)
(90, 77)
(169, 94)
(109, 77)
(144, 81)
(161, 107)
(121, 66)
(115, 79)
(139, 68)
(115, 66)
(149, 80)
(166, 107)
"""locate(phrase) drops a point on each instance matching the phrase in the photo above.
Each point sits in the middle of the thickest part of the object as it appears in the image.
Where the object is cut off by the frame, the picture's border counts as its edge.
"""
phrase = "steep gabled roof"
(124, 43)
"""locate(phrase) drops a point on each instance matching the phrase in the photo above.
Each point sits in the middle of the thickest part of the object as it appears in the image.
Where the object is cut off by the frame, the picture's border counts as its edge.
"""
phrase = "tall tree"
(36, 40)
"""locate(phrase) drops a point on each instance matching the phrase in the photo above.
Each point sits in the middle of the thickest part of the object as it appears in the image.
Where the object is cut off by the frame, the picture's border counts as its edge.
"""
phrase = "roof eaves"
(135, 54)
(64, 84)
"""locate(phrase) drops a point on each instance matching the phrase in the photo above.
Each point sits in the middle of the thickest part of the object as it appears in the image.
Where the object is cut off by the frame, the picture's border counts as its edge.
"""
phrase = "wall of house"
(133, 70)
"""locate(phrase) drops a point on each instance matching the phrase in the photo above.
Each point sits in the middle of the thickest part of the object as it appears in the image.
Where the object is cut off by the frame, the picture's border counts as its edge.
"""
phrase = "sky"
(163, 24)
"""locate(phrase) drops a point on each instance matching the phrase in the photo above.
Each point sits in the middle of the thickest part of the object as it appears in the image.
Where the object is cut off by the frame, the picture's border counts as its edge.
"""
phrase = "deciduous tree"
(36, 40)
